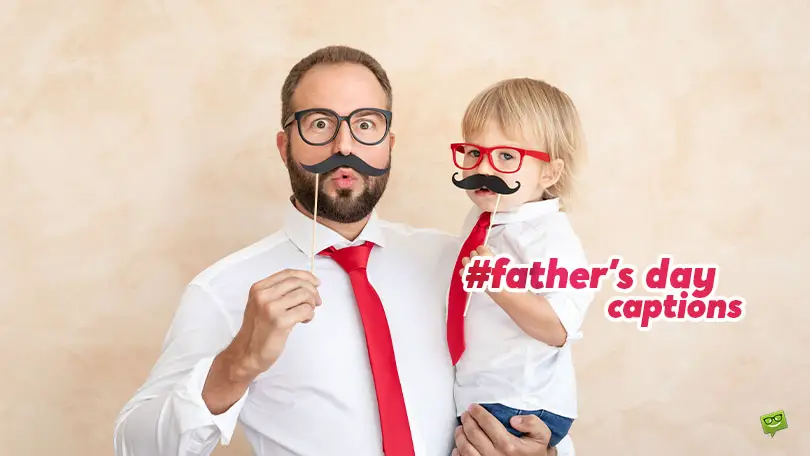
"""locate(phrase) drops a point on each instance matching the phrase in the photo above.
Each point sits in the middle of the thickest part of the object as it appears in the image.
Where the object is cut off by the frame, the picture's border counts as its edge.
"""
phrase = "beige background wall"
(137, 147)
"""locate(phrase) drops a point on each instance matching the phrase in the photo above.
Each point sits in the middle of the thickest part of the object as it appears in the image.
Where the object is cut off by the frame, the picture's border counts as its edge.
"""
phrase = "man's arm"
(167, 415)
(194, 394)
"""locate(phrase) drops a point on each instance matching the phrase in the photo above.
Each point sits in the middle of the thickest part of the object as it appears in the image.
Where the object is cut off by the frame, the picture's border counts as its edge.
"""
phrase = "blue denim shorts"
(559, 425)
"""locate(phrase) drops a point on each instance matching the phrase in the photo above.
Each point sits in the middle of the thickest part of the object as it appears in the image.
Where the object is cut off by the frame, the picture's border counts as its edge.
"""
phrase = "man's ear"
(552, 173)
(392, 138)
(282, 141)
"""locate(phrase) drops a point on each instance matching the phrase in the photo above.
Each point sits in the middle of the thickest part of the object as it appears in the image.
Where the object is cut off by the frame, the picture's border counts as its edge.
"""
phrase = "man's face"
(345, 196)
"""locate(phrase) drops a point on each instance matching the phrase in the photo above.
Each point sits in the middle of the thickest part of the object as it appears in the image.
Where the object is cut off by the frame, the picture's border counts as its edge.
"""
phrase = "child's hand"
(481, 251)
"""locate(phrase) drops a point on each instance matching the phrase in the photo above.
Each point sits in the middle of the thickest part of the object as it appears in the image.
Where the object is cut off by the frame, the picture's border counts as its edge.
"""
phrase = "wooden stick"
(489, 228)
(486, 239)
(314, 226)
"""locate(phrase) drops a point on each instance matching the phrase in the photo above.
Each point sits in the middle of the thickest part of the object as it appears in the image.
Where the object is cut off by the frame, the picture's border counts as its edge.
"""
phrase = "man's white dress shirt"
(502, 364)
(318, 398)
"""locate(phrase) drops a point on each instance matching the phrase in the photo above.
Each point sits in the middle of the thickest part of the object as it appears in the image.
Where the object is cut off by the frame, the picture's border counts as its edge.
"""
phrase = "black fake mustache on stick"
(478, 181)
(352, 161)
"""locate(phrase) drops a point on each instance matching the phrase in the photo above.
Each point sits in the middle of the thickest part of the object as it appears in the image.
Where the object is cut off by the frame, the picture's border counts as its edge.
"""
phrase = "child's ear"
(551, 173)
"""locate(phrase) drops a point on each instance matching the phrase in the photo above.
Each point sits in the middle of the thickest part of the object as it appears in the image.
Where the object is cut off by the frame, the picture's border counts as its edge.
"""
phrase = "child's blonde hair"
(532, 110)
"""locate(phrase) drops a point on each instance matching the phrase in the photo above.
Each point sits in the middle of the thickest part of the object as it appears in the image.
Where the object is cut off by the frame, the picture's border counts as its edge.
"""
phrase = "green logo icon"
(773, 422)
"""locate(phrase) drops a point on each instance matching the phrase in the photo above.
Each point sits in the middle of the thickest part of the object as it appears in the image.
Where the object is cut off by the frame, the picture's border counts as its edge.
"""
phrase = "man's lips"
(344, 178)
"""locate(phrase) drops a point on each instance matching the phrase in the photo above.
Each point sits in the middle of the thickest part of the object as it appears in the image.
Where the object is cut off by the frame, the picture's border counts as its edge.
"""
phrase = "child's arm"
(535, 314)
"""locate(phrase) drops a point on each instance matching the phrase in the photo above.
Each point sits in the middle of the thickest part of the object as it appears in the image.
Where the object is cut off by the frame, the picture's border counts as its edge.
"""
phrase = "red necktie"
(396, 432)
(457, 298)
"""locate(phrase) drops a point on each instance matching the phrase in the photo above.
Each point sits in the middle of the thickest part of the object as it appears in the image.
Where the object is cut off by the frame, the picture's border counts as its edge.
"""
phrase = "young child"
(512, 350)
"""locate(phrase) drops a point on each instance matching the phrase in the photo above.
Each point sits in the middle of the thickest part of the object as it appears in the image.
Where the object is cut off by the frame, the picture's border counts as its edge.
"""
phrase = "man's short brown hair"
(330, 55)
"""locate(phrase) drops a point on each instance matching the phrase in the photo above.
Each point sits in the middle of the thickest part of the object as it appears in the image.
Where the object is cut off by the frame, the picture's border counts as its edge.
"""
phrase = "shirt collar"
(522, 213)
(298, 227)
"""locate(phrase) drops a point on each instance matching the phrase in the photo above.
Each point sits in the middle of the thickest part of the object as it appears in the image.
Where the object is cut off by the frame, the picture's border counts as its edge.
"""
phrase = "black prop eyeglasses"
(770, 420)
(320, 126)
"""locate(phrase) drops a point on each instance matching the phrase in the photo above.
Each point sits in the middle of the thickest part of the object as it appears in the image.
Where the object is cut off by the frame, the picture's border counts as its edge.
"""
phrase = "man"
(351, 360)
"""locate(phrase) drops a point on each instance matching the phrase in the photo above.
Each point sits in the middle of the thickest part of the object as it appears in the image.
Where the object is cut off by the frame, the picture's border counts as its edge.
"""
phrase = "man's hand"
(274, 306)
(481, 434)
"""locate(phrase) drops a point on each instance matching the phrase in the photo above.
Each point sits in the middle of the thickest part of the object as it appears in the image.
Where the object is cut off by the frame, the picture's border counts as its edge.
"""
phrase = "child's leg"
(558, 425)
(504, 414)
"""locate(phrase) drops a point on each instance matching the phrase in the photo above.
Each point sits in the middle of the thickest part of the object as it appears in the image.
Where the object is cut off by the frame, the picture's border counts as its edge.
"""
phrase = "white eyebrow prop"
(486, 239)
(314, 225)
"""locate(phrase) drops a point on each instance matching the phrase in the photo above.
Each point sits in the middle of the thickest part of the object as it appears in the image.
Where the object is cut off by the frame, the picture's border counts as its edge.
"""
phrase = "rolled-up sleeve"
(570, 308)
(167, 415)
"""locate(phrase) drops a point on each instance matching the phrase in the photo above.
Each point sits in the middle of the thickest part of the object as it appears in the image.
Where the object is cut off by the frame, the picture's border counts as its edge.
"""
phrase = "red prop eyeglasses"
(504, 159)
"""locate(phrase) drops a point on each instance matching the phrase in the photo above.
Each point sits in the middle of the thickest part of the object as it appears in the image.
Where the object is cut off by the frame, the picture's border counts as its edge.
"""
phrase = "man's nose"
(343, 141)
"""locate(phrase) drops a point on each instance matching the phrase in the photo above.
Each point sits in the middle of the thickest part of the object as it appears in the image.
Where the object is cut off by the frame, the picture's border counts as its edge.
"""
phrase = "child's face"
(534, 175)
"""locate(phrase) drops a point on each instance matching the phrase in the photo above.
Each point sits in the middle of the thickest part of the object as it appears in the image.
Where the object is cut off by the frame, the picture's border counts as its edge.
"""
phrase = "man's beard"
(344, 208)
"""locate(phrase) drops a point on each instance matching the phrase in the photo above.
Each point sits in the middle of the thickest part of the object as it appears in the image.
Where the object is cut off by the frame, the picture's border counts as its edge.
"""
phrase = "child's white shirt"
(501, 363)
